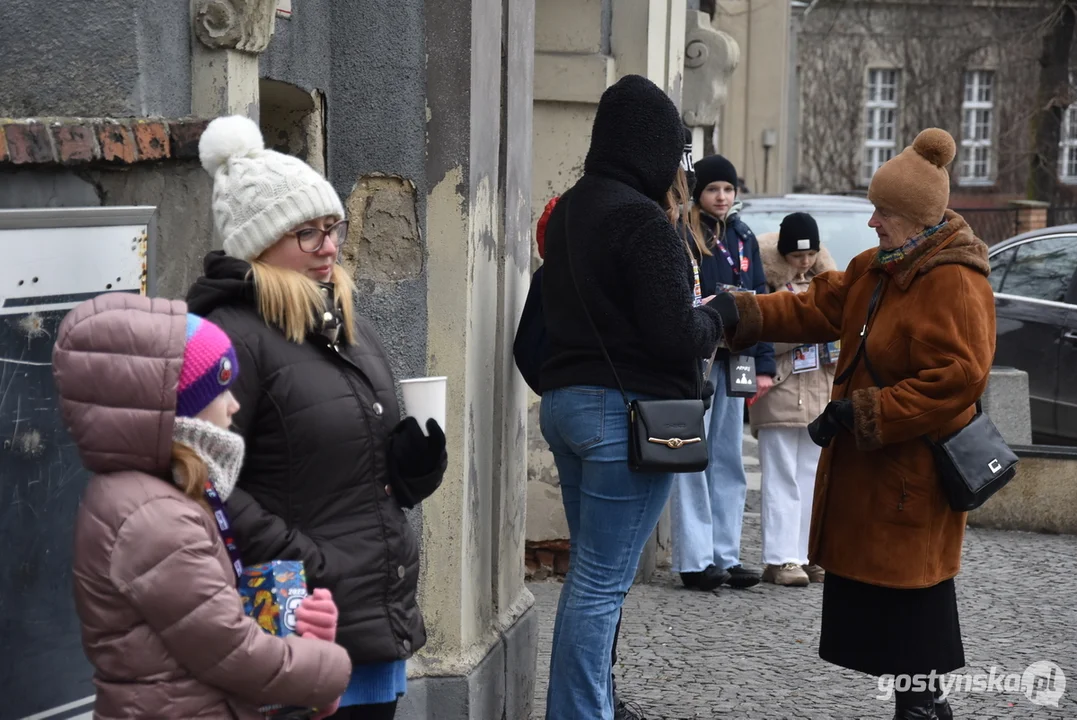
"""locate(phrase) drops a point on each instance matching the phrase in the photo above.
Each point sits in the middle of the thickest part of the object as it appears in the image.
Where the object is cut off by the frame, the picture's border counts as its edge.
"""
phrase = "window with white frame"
(880, 127)
(977, 121)
(1067, 152)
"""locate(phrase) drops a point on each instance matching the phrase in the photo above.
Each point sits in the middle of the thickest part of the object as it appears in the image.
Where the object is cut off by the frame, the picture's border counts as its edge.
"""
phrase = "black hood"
(226, 281)
(637, 138)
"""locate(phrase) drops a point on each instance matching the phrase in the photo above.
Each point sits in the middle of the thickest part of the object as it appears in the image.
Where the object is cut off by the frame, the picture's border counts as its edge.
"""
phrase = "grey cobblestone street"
(754, 653)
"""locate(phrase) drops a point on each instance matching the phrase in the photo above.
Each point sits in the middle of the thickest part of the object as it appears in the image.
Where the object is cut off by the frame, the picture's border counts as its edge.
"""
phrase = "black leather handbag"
(663, 435)
(973, 463)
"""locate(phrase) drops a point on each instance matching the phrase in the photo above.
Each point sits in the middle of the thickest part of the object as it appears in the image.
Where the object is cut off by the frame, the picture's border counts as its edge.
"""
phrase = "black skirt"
(882, 631)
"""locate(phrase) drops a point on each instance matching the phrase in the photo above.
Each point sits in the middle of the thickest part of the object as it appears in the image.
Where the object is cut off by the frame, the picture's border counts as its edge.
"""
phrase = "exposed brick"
(29, 143)
(152, 140)
(74, 143)
(185, 135)
(545, 558)
(560, 563)
(117, 142)
(3, 146)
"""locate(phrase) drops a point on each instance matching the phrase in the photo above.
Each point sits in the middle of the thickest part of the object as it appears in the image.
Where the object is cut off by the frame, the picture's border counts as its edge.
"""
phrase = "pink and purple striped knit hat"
(209, 367)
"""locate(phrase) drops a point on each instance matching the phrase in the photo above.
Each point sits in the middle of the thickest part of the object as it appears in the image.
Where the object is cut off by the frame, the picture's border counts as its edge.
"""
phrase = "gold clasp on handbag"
(674, 443)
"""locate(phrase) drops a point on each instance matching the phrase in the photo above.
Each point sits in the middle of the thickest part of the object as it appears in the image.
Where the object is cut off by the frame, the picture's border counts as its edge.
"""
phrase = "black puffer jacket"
(633, 270)
(314, 485)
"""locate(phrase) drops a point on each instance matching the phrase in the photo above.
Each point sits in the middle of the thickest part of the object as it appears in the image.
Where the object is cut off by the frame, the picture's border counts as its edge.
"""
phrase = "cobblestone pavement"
(754, 653)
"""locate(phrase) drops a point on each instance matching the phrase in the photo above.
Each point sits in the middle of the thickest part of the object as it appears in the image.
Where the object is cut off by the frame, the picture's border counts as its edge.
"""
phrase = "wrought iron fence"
(1061, 216)
(992, 225)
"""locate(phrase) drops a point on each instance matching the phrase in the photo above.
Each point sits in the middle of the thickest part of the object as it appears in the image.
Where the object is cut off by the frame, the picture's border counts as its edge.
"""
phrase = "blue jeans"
(611, 512)
(707, 508)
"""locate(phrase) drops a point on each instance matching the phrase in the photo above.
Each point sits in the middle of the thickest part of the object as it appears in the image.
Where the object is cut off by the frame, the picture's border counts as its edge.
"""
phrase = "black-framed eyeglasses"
(311, 239)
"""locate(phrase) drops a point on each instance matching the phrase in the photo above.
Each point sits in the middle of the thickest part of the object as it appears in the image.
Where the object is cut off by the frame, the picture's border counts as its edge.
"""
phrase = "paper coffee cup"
(424, 398)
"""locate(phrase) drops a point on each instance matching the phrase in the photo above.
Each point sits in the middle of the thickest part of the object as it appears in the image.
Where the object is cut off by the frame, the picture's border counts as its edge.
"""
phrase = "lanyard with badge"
(219, 514)
(729, 259)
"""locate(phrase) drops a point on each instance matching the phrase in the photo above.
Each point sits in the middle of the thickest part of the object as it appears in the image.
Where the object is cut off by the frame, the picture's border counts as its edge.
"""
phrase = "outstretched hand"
(726, 307)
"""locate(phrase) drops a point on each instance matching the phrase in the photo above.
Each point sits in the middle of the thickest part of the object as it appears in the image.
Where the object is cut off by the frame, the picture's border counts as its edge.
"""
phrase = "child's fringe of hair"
(294, 303)
(190, 473)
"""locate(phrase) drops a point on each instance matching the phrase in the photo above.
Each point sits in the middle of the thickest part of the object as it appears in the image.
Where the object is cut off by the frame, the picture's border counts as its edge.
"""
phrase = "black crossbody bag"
(663, 435)
(973, 463)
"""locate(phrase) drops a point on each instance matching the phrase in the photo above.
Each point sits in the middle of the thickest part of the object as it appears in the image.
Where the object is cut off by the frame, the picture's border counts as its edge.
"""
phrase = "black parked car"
(1034, 276)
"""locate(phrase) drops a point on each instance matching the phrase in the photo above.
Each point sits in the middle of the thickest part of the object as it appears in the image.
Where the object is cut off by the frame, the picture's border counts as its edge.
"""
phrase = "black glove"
(843, 413)
(416, 461)
(726, 306)
(838, 414)
(708, 394)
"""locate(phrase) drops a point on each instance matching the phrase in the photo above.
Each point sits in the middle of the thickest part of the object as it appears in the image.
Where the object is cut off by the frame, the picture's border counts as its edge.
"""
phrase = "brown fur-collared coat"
(879, 513)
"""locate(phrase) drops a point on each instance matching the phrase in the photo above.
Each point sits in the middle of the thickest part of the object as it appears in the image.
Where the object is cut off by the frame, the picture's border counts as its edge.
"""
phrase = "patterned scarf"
(892, 260)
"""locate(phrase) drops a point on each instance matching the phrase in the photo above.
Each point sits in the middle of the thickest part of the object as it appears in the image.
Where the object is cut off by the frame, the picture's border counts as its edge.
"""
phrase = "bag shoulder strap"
(587, 313)
(862, 352)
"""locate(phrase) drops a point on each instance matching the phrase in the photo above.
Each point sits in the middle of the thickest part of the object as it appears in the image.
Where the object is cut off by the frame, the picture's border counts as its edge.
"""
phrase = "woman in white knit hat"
(329, 465)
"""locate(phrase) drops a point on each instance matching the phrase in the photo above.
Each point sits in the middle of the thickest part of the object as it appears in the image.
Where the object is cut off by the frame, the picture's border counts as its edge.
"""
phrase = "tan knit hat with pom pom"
(914, 183)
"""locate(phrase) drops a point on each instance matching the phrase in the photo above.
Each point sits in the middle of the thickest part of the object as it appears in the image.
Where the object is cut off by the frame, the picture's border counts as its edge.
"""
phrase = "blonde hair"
(676, 201)
(190, 473)
(294, 303)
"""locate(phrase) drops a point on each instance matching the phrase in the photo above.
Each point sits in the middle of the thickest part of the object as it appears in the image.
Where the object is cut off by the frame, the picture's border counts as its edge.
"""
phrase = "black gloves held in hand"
(838, 414)
(416, 462)
(726, 306)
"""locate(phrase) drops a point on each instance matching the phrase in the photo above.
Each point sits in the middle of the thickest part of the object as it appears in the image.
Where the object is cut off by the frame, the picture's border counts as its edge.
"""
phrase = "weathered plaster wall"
(368, 59)
(511, 598)
(117, 58)
(463, 66)
(180, 191)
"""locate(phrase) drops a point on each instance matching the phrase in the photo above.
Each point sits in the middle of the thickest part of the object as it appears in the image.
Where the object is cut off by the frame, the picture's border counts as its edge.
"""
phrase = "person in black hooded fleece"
(634, 278)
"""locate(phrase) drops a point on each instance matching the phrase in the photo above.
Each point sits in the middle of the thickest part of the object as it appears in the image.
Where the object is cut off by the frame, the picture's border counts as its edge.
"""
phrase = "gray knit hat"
(259, 194)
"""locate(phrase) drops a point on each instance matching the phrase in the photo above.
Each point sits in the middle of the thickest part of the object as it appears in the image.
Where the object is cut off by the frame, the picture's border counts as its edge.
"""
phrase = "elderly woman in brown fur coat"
(788, 457)
(881, 526)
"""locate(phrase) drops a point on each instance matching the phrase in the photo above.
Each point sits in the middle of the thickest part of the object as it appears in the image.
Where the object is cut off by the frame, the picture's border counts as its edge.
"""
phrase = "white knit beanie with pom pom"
(259, 194)
(915, 184)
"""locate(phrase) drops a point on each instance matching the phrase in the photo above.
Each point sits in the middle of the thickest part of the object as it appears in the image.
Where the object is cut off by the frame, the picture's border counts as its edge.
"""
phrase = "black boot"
(626, 711)
(942, 707)
(709, 579)
(743, 577)
(915, 706)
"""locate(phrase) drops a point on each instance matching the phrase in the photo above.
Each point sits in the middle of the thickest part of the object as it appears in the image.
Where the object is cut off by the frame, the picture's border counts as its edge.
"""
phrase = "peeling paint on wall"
(384, 239)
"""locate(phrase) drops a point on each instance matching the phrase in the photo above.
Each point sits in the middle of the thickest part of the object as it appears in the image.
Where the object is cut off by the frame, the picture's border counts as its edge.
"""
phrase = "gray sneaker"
(789, 574)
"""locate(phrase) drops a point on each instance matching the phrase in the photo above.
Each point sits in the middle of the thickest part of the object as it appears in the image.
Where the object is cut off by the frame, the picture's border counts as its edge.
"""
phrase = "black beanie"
(713, 168)
(798, 232)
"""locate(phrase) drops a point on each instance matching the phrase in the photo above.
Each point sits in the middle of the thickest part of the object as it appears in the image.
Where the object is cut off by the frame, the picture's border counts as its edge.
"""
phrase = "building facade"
(873, 73)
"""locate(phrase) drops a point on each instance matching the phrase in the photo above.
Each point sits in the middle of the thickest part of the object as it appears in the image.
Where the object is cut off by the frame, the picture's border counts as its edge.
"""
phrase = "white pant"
(788, 459)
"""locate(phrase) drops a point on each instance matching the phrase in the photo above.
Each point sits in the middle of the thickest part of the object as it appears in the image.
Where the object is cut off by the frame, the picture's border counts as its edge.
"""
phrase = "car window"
(844, 233)
(999, 263)
(1042, 269)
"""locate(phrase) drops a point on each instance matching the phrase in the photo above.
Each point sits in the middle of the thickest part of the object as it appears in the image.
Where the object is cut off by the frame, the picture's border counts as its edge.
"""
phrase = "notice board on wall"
(50, 261)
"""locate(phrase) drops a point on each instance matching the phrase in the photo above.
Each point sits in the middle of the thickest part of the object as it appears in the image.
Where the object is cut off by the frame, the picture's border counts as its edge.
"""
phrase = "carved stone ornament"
(710, 56)
(245, 25)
